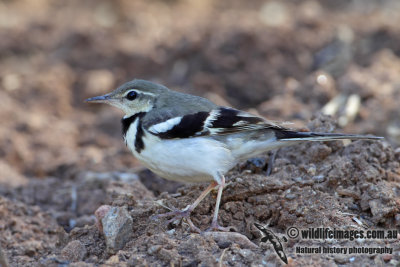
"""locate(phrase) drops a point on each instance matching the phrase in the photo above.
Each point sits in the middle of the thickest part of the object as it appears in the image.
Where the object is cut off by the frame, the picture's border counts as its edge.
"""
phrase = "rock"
(117, 228)
(100, 213)
(113, 260)
(231, 237)
(74, 251)
(381, 210)
(397, 219)
(387, 257)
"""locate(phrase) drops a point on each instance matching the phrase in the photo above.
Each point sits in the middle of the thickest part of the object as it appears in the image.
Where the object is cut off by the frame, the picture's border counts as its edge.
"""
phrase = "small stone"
(341, 259)
(113, 260)
(387, 257)
(380, 210)
(319, 178)
(290, 196)
(100, 213)
(397, 218)
(246, 253)
(171, 232)
(153, 249)
(298, 179)
(223, 244)
(311, 170)
(117, 228)
(348, 192)
(74, 251)
(256, 165)
(231, 237)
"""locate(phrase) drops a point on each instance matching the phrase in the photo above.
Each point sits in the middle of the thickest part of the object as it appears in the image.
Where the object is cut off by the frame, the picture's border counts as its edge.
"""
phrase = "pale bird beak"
(100, 99)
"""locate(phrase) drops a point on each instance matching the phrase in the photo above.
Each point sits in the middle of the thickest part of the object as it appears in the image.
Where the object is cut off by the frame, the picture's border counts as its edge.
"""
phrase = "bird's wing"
(218, 121)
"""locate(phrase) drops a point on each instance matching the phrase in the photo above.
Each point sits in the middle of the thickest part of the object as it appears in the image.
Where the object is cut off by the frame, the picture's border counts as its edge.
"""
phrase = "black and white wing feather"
(222, 120)
(218, 121)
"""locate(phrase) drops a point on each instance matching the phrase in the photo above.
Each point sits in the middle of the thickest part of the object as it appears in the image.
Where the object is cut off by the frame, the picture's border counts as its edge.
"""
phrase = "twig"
(222, 257)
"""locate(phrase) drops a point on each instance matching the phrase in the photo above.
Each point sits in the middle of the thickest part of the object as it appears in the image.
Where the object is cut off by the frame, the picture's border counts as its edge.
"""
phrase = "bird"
(188, 138)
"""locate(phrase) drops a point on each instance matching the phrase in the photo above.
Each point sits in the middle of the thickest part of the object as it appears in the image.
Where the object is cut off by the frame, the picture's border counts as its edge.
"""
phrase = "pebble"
(231, 237)
(153, 249)
(100, 213)
(246, 253)
(319, 178)
(117, 228)
(397, 218)
(387, 257)
(290, 196)
(74, 251)
(312, 170)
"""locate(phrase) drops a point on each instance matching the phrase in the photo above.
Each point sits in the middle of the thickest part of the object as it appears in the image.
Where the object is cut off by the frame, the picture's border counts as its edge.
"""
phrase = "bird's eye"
(131, 95)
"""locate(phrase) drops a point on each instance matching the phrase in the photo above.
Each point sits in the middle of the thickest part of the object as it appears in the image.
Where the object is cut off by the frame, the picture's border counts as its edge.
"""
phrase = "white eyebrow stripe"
(165, 126)
(146, 93)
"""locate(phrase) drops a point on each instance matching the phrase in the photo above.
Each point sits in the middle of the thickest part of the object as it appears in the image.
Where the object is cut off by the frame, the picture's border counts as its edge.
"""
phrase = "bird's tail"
(315, 136)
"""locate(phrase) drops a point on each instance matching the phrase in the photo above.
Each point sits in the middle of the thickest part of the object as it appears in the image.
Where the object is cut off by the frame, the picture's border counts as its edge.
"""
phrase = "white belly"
(195, 159)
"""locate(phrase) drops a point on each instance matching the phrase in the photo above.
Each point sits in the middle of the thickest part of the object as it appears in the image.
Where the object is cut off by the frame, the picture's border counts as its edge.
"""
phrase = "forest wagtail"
(188, 138)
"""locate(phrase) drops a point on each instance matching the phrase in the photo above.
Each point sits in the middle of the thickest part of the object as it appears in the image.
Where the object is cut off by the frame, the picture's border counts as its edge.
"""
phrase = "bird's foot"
(271, 162)
(216, 227)
(178, 215)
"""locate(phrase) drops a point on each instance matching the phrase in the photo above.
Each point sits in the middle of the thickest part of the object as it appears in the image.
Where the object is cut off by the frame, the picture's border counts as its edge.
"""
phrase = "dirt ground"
(323, 66)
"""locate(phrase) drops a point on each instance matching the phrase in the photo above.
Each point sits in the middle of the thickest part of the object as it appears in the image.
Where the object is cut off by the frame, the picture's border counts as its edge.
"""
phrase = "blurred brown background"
(283, 59)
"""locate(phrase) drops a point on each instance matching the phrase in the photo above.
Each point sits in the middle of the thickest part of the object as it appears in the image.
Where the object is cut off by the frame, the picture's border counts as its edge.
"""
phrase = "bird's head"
(133, 97)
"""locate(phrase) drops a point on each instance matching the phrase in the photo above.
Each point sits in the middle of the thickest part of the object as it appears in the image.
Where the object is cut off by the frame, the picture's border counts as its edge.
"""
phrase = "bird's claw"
(216, 227)
(174, 212)
(177, 215)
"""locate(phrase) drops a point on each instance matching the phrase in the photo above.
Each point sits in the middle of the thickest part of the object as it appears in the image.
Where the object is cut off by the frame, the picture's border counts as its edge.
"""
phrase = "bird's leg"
(271, 161)
(214, 224)
(202, 196)
(185, 213)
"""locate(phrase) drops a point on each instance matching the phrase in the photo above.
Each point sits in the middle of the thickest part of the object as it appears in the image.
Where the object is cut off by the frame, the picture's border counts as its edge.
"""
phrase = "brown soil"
(61, 159)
